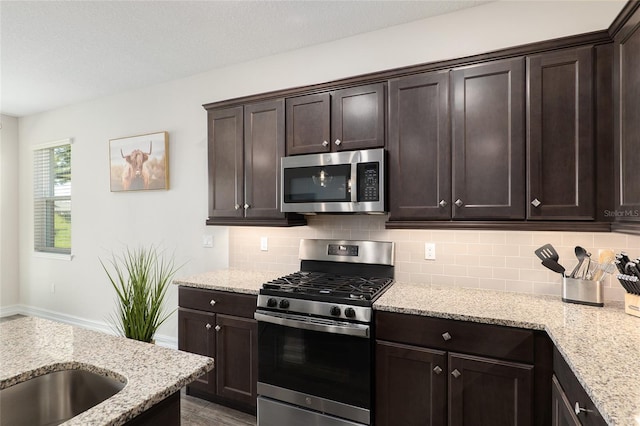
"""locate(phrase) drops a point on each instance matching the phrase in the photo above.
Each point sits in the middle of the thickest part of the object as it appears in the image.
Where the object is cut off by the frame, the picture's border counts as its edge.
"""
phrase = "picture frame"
(139, 163)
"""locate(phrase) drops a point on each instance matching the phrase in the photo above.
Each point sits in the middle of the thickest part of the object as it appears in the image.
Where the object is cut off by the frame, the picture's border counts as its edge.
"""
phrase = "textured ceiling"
(56, 53)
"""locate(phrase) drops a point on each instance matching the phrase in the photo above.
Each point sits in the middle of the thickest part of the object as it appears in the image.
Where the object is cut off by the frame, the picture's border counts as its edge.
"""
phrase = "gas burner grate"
(332, 285)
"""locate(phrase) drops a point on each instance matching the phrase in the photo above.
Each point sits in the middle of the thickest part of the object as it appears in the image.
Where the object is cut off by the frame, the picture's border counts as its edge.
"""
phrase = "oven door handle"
(358, 330)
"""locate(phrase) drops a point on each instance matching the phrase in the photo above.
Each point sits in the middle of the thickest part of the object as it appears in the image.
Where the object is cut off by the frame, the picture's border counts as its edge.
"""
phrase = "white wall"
(9, 281)
(105, 221)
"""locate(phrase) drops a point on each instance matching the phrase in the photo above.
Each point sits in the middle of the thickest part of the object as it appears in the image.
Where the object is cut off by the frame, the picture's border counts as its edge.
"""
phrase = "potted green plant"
(140, 278)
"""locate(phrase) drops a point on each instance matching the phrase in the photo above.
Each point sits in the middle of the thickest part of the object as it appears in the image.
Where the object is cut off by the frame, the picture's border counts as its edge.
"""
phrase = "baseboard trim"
(101, 326)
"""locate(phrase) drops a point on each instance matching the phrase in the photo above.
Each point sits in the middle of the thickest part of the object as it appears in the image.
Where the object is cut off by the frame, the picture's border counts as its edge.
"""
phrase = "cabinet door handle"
(459, 202)
(437, 370)
(208, 326)
(443, 203)
(325, 143)
(338, 142)
(212, 302)
(446, 336)
(578, 409)
(455, 373)
(217, 328)
(246, 206)
(237, 206)
(535, 202)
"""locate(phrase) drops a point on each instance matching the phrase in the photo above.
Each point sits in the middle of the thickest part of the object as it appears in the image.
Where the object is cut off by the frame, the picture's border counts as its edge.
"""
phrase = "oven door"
(316, 365)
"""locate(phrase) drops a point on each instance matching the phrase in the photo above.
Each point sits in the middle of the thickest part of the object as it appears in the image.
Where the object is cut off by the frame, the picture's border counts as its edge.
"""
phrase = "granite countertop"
(601, 345)
(31, 347)
(233, 280)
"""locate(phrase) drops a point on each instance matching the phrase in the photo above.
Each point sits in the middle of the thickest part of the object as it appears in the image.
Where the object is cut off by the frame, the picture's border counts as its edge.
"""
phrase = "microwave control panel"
(369, 181)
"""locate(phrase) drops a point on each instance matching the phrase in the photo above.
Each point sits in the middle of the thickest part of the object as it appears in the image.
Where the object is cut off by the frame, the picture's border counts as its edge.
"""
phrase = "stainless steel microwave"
(339, 182)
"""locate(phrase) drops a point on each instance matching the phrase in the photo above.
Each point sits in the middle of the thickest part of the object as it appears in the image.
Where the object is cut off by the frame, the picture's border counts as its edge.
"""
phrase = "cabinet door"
(225, 162)
(410, 385)
(485, 391)
(196, 335)
(357, 118)
(562, 412)
(488, 141)
(308, 124)
(264, 145)
(236, 359)
(560, 131)
(627, 119)
(419, 147)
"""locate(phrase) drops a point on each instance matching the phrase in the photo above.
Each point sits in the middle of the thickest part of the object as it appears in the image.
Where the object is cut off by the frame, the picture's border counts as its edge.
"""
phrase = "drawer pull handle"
(455, 373)
(443, 203)
(578, 409)
(217, 328)
(535, 202)
(446, 336)
(338, 142)
(325, 143)
(213, 302)
(437, 370)
(458, 202)
(208, 326)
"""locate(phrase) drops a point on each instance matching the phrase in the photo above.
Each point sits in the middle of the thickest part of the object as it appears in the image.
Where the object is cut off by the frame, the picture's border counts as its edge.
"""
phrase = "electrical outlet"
(430, 251)
(264, 244)
(207, 241)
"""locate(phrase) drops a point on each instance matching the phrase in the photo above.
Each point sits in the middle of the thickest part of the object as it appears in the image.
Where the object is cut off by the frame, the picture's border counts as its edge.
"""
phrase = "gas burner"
(329, 286)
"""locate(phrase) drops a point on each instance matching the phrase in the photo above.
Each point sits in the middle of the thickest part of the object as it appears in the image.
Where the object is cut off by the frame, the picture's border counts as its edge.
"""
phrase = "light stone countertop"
(601, 345)
(32, 346)
(232, 280)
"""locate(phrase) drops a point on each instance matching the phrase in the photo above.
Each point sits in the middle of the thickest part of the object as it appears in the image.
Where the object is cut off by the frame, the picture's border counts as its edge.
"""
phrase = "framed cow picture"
(139, 163)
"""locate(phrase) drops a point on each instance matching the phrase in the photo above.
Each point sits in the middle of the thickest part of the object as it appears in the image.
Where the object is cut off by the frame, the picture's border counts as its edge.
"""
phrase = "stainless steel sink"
(55, 397)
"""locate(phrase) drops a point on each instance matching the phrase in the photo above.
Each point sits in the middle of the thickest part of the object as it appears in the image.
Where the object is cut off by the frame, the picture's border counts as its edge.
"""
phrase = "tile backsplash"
(498, 260)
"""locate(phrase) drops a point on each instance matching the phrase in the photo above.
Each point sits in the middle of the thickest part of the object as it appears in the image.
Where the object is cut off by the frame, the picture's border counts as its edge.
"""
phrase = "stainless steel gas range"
(315, 345)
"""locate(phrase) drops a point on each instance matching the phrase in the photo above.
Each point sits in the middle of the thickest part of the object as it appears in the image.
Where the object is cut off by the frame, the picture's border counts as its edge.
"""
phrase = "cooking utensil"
(604, 260)
(547, 252)
(581, 254)
(554, 266)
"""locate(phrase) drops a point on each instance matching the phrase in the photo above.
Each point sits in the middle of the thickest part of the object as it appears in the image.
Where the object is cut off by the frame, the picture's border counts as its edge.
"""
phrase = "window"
(52, 197)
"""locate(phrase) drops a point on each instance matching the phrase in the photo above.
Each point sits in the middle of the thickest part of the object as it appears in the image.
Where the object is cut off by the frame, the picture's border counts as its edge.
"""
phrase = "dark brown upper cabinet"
(488, 140)
(561, 135)
(341, 120)
(263, 148)
(226, 168)
(419, 147)
(627, 118)
(245, 147)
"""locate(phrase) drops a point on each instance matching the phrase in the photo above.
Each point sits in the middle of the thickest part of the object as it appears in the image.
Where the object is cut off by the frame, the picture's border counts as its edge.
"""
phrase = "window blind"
(52, 198)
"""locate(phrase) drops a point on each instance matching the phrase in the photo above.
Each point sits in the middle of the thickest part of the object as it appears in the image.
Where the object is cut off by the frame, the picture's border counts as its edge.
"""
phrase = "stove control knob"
(272, 303)
(335, 311)
(284, 304)
(349, 313)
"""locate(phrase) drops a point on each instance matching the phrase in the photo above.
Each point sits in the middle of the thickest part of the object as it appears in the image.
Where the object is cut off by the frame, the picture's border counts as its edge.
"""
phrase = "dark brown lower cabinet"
(436, 371)
(486, 391)
(411, 385)
(562, 412)
(227, 332)
(571, 403)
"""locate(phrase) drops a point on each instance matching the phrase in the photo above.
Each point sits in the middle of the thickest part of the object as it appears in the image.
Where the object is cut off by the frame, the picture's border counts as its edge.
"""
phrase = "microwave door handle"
(354, 176)
(358, 330)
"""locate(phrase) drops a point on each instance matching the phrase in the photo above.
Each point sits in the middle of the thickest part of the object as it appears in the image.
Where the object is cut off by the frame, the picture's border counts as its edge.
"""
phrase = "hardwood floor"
(198, 412)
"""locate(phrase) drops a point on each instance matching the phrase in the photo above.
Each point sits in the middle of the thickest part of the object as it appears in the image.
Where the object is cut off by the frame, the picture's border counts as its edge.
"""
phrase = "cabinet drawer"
(242, 305)
(459, 336)
(575, 392)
